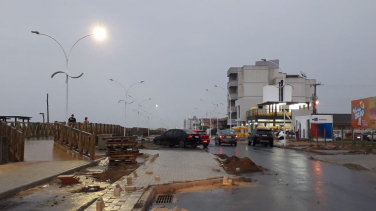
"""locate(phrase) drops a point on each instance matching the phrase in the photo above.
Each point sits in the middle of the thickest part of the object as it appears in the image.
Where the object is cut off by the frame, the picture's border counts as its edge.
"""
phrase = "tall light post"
(42, 116)
(99, 33)
(283, 100)
(125, 100)
(215, 104)
(138, 108)
(210, 122)
(229, 96)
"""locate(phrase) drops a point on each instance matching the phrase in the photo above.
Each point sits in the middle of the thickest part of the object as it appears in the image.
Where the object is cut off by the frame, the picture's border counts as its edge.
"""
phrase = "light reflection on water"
(45, 149)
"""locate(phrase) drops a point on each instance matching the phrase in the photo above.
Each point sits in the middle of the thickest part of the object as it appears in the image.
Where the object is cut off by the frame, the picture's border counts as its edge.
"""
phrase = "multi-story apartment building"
(260, 86)
(198, 123)
(192, 123)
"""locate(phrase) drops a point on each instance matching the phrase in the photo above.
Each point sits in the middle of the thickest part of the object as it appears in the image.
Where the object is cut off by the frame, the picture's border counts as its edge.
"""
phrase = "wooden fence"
(97, 128)
(34, 129)
(80, 141)
(16, 141)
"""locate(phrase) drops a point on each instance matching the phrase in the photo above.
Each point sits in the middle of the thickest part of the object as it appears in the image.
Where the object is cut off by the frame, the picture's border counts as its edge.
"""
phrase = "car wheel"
(249, 143)
(253, 143)
(205, 146)
(215, 142)
(171, 145)
(158, 142)
(219, 143)
(194, 146)
(368, 139)
(271, 144)
(236, 144)
(181, 144)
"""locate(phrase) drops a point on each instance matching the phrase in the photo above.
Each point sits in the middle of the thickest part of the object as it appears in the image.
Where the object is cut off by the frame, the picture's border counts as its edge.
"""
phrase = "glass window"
(169, 133)
(226, 132)
(188, 131)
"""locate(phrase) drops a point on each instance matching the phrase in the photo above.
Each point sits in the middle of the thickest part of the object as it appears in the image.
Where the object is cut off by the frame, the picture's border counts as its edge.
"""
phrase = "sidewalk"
(172, 166)
(16, 177)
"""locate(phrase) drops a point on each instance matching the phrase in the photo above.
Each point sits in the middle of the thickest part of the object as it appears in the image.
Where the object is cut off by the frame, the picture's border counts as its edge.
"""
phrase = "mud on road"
(57, 196)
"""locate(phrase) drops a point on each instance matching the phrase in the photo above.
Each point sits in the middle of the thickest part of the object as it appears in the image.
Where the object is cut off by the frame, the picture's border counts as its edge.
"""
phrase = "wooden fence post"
(4, 150)
(92, 146)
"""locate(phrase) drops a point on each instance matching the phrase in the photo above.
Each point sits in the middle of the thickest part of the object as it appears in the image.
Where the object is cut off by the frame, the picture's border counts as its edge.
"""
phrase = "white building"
(257, 86)
(192, 123)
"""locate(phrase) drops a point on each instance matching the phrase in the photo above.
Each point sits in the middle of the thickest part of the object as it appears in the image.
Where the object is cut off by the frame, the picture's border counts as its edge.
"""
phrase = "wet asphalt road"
(293, 182)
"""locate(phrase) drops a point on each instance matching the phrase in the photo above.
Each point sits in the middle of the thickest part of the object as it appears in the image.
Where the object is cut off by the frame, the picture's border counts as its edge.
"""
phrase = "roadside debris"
(68, 179)
(113, 174)
(235, 165)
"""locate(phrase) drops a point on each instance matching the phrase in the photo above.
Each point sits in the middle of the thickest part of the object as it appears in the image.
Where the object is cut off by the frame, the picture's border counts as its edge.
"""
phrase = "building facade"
(259, 86)
(199, 123)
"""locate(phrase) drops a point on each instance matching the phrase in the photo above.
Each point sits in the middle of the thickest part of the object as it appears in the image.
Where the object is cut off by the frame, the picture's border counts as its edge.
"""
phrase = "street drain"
(162, 199)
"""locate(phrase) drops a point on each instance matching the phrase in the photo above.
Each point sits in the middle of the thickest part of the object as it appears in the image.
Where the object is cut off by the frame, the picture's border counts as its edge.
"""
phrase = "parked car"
(226, 137)
(370, 138)
(205, 140)
(181, 137)
(336, 137)
(261, 136)
(280, 135)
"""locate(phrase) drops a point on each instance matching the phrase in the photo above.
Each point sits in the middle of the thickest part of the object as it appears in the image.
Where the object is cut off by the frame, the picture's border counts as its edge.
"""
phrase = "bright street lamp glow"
(156, 106)
(99, 33)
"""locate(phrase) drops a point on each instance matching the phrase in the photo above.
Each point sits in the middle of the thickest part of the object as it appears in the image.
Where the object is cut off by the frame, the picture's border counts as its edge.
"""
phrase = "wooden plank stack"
(121, 150)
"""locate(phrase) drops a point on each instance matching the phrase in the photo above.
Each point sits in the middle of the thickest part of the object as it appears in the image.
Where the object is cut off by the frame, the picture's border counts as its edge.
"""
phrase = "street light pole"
(138, 109)
(216, 104)
(67, 65)
(229, 96)
(125, 100)
(283, 100)
(42, 116)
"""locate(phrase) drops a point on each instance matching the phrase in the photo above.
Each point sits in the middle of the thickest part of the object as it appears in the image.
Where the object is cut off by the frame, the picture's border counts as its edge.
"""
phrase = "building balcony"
(234, 96)
(232, 71)
(233, 109)
(267, 114)
(232, 83)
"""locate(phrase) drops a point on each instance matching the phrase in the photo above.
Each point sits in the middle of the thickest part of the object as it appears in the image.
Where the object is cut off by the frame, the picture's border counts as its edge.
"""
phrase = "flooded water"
(45, 149)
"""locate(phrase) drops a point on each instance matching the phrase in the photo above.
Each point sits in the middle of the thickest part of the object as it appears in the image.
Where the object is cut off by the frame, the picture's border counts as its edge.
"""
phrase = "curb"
(15, 191)
(314, 151)
(149, 196)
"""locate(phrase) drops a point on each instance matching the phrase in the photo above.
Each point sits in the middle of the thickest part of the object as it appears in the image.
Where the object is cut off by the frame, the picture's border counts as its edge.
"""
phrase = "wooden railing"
(34, 129)
(16, 140)
(80, 141)
(37, 129)
(97, 128)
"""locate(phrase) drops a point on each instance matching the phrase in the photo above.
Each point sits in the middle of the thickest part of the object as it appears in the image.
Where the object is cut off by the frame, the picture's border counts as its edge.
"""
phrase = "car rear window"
(189, 131)
(264, 132)
(227, 132)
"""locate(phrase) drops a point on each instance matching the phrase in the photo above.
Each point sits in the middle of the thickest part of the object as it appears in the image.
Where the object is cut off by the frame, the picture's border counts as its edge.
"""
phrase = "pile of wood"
(121, 150)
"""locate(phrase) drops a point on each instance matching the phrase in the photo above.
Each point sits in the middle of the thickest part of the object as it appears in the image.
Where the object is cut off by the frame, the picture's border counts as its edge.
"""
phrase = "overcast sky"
(179, 48)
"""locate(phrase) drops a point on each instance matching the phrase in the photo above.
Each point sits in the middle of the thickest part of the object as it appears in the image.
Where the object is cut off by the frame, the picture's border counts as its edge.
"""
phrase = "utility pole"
(314, 98)
(48, 111)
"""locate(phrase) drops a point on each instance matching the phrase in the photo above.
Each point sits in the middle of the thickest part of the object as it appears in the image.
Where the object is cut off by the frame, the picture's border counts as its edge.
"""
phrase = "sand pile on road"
(244, 164)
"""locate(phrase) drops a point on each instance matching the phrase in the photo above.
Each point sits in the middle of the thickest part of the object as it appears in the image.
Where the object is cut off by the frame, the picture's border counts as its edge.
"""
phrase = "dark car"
(181, 137)
(261, 136)
(226, 137)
